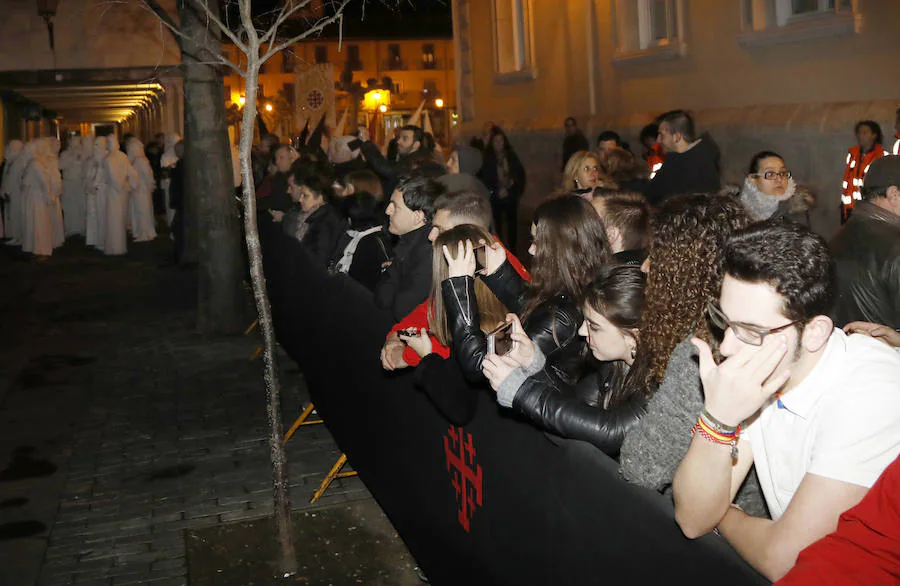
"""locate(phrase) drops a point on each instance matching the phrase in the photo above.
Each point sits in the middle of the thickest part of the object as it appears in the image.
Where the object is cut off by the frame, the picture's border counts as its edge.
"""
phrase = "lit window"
(512, 36)
(428, 59)
(772, 22)
(648, 29)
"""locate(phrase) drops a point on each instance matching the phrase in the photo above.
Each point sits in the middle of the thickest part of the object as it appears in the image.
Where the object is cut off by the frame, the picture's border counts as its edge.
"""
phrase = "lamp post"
(47, 11)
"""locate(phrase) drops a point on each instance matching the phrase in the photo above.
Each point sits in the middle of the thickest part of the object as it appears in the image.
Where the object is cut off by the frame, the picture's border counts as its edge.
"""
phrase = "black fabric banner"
(495, 502)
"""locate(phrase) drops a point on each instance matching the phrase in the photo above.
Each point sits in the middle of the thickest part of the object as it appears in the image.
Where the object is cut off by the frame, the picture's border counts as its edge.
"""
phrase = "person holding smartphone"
(609, 400)
(569, 249)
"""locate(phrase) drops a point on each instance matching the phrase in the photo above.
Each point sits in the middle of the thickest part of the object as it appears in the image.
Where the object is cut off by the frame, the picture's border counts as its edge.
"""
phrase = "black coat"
(371, 253)
(407, 282)
(552, 326)
(696, 170)
(324, 227)
(576, 411)
(572, 144)
(491, 179)
(866, 255)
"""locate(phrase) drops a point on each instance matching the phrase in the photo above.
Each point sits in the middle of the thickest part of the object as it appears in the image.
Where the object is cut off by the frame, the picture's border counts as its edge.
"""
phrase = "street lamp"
(438, 103)
(242, 100)
(382, 108)
(47, 11)
(269, 107)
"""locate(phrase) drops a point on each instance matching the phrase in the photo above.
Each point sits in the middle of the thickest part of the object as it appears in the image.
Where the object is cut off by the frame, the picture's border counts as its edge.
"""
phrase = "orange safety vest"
(655, 159)
(854, 174)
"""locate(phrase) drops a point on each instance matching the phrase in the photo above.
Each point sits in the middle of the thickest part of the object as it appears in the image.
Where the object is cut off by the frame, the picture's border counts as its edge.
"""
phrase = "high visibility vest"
(855, 174)
(655, 159)
(896, 149)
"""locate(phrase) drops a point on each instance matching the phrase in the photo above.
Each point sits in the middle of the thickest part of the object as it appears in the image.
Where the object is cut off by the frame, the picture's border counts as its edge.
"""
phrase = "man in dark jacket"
(409, 144)
(867, 251)
(575, 141)
(692, 165)
(407, 279)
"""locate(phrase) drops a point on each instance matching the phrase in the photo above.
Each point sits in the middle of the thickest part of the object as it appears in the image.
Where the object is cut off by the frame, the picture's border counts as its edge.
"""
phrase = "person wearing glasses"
(769, 191)
(815, 411)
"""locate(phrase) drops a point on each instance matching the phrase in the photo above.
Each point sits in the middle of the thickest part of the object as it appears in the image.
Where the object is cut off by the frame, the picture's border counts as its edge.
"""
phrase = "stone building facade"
(789, 75)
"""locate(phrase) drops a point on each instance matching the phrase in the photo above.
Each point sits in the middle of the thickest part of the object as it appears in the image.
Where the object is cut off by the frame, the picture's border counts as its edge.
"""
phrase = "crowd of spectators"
(705, 338)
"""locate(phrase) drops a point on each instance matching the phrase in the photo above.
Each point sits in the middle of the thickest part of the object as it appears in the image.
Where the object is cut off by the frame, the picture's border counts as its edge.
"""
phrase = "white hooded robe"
(143, 223)
(121, 178)
(95, 194)
(11, 188)
(71, 164)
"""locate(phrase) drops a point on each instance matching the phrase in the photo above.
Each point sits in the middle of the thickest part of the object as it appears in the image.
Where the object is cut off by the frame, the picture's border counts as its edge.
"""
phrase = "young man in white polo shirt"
(817, 411)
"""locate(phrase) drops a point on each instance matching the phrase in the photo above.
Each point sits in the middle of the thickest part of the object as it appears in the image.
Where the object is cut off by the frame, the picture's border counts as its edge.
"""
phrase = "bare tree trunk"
(283, 524)
(211, 228)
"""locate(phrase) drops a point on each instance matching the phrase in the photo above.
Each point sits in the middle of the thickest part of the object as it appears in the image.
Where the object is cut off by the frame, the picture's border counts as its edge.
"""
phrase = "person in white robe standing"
(71, 164)
(11, 190)
(95, 194)
(167, 162)
(37, 233)
(143, 221)
(121, 178)
(49, 148)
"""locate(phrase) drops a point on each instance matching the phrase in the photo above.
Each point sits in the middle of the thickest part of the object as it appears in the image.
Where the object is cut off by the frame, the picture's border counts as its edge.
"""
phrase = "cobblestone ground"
(120, 427)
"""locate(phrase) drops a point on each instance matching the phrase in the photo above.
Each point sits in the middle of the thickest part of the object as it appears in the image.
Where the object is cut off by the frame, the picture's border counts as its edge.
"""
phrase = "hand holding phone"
(500, 341)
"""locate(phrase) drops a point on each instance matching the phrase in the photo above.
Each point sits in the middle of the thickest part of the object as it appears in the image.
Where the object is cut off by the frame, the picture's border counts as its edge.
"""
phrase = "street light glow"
(241, 100)
(268, 107)
(382, 108)
(439, 103)
(376, 96)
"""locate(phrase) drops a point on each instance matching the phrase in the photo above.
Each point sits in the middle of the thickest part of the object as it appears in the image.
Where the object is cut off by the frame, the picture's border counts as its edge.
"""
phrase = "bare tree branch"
(160, 12)
(204, 4)
(316, 28)
(283, 15)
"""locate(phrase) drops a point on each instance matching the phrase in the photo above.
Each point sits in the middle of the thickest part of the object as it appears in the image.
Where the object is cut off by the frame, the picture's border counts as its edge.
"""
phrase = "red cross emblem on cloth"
(315, 99)
(464, 473)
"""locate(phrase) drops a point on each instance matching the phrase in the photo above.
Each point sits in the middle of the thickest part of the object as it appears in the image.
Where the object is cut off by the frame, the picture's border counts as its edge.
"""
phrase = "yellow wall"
(800, 98)
(716, 72)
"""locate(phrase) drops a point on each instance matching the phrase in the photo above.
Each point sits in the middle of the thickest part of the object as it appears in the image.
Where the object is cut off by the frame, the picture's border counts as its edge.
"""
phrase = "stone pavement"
(120, 427)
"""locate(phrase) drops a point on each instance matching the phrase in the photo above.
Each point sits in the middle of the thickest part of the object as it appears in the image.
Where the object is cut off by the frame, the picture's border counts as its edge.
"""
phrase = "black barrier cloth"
(495, 502)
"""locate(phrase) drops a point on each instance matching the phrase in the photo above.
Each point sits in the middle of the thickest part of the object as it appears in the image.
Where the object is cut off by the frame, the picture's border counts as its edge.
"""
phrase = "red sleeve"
(418, 319)
(518, 266)
(865, 549)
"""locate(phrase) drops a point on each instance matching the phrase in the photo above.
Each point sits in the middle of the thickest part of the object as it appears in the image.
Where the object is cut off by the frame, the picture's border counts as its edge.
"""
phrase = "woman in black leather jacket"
(606, 403)
(569, 248)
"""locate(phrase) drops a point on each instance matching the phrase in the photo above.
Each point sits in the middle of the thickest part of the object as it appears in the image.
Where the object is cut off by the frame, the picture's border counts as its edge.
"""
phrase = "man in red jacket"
(451, 210)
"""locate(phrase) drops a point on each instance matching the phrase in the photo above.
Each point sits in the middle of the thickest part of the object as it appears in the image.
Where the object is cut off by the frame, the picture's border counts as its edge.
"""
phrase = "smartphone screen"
(480, 258)
(500, 341)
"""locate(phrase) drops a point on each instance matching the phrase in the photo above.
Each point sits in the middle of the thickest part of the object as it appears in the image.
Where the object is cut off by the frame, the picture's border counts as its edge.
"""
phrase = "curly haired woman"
(689, 234)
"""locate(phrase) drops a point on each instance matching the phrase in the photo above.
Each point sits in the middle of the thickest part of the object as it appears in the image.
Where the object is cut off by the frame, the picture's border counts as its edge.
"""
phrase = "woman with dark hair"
(364, 247)
(504, 176)
(769, 191)
(321, 225)
(689, 235)
(606, 403)
(569, 249)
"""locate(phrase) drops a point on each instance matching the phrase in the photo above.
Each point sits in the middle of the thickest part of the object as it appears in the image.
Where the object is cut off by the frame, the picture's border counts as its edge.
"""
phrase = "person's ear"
(614, 235)
(816, 333)
(420, 216)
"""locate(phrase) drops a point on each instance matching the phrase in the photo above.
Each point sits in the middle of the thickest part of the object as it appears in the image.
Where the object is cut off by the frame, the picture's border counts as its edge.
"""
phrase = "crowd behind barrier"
(494, 502)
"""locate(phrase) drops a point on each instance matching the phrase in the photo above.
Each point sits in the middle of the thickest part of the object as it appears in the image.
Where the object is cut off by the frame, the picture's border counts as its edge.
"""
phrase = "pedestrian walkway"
(120, 427)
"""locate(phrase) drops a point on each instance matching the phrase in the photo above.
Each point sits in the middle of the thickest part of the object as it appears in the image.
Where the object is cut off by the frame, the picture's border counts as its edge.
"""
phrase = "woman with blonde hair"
(583, 174)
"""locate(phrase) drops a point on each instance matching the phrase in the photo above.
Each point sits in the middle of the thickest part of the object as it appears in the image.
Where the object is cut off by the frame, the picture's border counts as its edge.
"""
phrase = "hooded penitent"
(142, 220)
(121, 179)
(95, 191)
(71, 165)
(37, 232)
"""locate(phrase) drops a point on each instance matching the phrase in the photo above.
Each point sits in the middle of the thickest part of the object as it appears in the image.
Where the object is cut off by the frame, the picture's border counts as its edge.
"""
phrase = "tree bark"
(280, 480)
(212, 230)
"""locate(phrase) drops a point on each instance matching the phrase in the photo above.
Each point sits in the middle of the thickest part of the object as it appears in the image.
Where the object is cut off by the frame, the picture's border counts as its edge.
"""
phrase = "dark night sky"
(386, 19)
